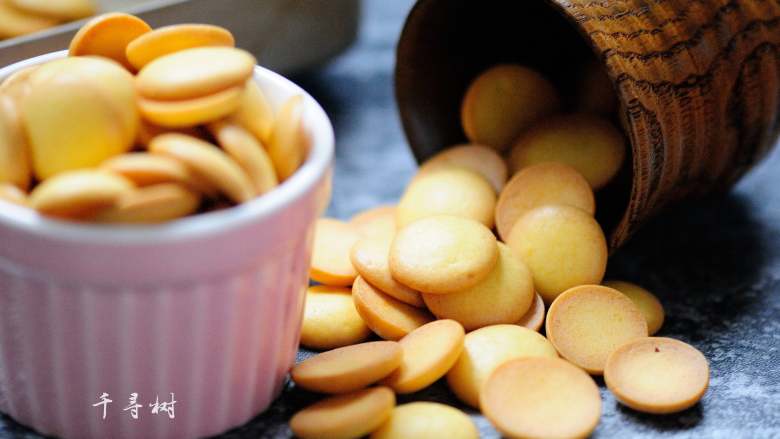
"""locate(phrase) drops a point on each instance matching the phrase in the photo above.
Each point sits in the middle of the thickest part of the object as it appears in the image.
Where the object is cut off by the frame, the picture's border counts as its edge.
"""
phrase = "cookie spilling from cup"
(456, 277)
(142, 125)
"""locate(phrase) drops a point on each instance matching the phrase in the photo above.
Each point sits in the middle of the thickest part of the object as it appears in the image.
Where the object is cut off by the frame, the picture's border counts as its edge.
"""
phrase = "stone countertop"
(715, 264)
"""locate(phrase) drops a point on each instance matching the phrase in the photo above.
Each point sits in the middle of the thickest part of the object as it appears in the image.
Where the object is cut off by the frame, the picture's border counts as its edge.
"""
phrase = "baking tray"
(284, 35)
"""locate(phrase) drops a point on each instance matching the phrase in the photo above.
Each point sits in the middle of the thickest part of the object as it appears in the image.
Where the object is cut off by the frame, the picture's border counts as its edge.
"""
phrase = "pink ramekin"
(207, 307)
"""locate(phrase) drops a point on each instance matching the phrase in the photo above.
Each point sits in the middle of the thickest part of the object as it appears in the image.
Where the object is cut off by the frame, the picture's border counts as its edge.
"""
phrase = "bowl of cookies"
(158, 192)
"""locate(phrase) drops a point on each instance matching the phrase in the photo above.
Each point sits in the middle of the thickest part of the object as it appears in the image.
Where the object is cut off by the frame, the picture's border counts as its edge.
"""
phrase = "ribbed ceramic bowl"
(207, 308)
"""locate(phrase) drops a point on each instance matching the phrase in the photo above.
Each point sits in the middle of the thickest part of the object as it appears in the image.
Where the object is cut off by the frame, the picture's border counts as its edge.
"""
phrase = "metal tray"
(284, 35)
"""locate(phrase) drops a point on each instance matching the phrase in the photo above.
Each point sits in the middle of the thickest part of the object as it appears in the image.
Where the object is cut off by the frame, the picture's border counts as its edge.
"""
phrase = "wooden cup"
(698, 83)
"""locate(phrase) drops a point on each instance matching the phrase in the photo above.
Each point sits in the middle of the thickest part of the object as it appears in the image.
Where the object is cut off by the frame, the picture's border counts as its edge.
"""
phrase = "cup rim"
(314, 168)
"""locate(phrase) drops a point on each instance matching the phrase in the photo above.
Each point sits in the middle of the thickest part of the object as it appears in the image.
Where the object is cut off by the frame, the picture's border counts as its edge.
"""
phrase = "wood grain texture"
(698, 82)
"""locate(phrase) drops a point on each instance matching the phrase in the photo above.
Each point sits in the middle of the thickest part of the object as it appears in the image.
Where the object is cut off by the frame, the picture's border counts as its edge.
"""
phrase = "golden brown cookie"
(108, 35)
(15, 22)
(427, 420)
(504, 296)
(541, 397)
(587, 142)
(647, 303)
(79, 194)
(389, 318)
(101, 120)
(452, 191)
(151, 204)
(480, 159)
(349, 368)
(657, 375)
(66, 10)
(487, 348)
(504, 101)
(14, 150)
(330, 263)
(288, 142)
(247, 151)
(563, 247)
(194, 73)
(206, 161)
(348, 416)
(174, 38)
(371, 258)
(255, 112)
(588, 322)
(190, 112)
(443, 254)
(539, 185)
(330, 319)
(428, 353)
(375, 221)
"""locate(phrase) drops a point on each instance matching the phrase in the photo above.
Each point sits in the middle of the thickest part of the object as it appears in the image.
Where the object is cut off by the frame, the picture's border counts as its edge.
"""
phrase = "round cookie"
(389, 318)
(330, 264)
(255, 112)
(504, 101)
(657, 375)
(78, 194)
(487, 348)
(67, 10)
(375, 221)
(349, 368)
(288, 142)
(247, 152)
(207, 161)
(647, 303)
(148, 131)
(588, 322)
(370, 257)
(151, 204)
(428, 353)
(504, 296)
(480, 159)
(541, 397)
(330, 319)
(14, 152)
(190, 112)
(169, 39)
(146, 169)
(108, 35)
(352, 415)
(427, 420)
(563, 247)
(194, 73)
(107, 79)
(534, 317)
(443, 254)
(15, 22)
(539, 185)
(588, 143)
(448, 191)
(101, 120)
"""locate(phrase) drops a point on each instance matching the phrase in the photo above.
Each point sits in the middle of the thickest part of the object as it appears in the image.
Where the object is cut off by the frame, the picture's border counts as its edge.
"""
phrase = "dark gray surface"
(715, 264)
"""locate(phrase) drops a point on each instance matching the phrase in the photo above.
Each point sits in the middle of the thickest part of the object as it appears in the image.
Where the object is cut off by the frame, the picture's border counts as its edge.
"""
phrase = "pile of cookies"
(142, 125)
(456, 278)
(22, 17)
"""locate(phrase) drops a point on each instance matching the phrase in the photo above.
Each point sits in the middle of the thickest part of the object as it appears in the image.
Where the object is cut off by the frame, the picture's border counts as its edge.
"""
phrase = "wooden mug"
(698, 83)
